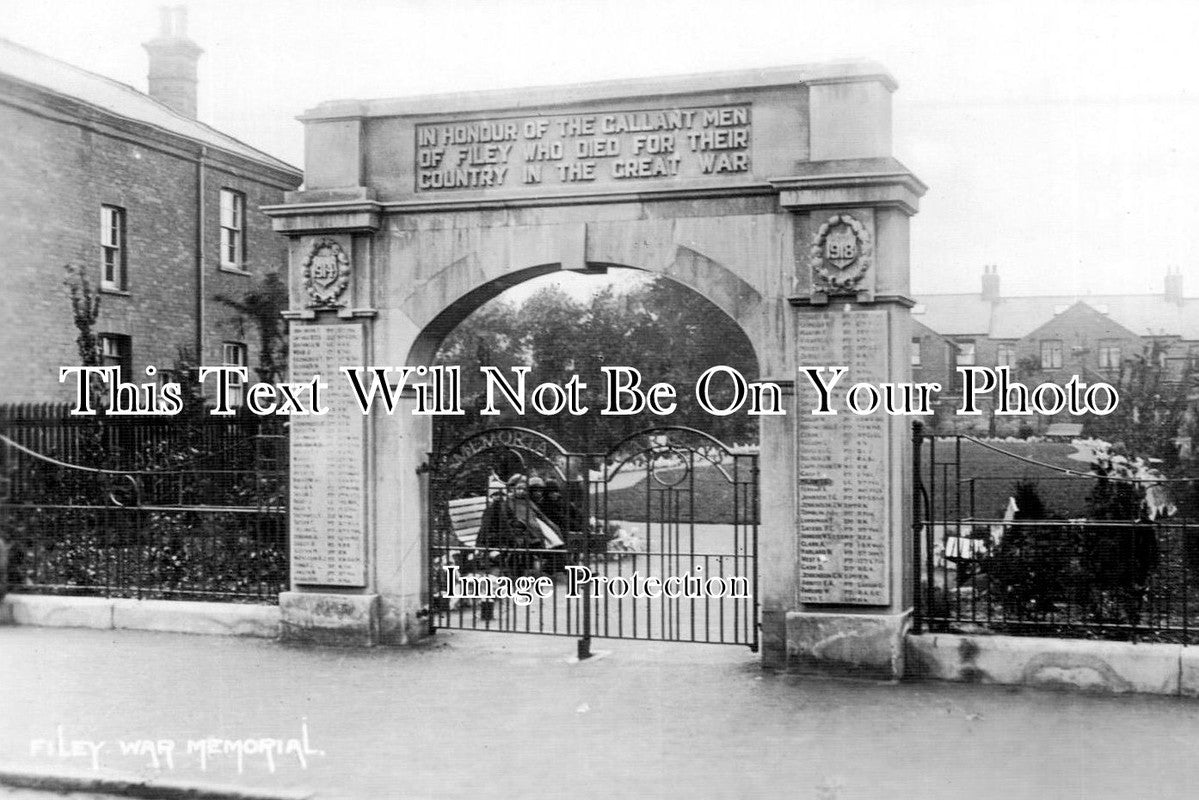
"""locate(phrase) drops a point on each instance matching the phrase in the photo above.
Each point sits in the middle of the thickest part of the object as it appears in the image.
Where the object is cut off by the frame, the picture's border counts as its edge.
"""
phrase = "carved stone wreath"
(841, 253)
(325, 273)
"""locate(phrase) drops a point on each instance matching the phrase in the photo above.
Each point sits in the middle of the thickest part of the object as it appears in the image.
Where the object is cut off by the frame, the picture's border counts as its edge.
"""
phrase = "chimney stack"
(1174, 286)
(991, 283)
(173, 59)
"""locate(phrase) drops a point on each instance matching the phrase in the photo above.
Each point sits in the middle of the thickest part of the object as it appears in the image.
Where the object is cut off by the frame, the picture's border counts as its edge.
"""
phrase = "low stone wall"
(177, 616)
(1055, 663)
(1074, 664)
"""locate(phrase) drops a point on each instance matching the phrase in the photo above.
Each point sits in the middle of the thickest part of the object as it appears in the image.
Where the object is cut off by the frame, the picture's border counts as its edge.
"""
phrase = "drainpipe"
(200, 225)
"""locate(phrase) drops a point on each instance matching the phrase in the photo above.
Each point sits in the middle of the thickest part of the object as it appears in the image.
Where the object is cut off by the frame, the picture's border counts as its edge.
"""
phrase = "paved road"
(479, 715)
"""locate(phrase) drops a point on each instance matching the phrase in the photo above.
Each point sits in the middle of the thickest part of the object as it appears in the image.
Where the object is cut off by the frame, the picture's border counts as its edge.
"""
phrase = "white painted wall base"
(176, 616)
(1078, 664)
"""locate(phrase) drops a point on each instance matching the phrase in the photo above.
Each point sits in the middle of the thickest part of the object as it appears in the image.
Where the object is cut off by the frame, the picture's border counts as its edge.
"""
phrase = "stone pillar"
(402, 445)
(851, 585)
(334, 566)
(777, 542)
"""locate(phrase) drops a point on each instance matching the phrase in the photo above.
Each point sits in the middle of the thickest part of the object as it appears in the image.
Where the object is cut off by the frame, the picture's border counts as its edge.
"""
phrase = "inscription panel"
(843, 481)
(328, 543)
(610, 149)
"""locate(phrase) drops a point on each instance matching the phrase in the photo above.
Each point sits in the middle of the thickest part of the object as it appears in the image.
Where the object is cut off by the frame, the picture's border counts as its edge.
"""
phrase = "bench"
(466, 516)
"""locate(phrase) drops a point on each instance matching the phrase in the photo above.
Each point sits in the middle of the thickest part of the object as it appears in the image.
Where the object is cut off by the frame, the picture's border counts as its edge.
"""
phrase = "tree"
(488, 337)
(1154, 410)
(1029, 568)
(660, 327)
(1119, 558)
(85, 310)
(264, 304)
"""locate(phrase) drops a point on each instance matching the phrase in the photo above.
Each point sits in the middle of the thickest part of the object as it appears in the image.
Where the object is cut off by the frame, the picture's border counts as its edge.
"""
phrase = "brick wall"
(1080, 329)
(936, 359)
(57, 175)
(265, 251)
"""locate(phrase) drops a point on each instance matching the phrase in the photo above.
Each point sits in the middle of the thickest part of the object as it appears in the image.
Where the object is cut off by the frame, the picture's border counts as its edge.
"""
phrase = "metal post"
(1186, 555)
(756, 511)
(433, 497)
(584, 647)
(930, 516)
(917, 482)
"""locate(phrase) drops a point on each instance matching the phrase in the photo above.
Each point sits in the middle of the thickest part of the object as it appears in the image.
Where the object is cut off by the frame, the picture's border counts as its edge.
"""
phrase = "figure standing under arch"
(513, 528)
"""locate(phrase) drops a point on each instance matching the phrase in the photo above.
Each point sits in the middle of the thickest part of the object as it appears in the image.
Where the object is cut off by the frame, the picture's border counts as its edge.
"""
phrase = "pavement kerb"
(128, 786)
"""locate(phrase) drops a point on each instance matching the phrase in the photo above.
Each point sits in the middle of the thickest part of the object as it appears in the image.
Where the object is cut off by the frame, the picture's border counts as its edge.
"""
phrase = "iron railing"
(198, 532)
(1066, 572)
(141, 442)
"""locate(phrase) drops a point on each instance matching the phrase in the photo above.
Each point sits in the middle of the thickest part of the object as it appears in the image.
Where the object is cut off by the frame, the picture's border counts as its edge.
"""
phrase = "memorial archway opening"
(635, 498)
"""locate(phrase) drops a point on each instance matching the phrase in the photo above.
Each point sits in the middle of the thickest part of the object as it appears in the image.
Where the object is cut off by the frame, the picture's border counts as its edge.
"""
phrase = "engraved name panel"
(610, 149)
(328, 543)
(843, 464)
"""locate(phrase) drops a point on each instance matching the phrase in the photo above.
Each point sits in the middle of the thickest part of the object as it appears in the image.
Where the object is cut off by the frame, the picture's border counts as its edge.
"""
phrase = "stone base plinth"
(344, 620)
(847, 645)
(401, 621)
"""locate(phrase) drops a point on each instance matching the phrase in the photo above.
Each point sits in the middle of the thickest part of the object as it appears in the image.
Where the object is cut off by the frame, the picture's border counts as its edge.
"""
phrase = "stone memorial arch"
(772, 193)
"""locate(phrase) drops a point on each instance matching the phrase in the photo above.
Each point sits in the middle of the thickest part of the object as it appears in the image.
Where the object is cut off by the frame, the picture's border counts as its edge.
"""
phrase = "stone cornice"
(328, 208)
(356, 216)
(357, 208)
(851, 71)
(901, 189)
(877, 300)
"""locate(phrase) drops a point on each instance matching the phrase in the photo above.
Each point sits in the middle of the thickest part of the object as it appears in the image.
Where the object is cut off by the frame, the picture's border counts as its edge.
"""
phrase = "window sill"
(232, 270)
(117, 292)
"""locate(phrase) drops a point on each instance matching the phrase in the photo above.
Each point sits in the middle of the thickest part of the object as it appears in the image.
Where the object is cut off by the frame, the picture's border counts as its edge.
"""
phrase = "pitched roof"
(1104, 324)
(1016, 317)
(954, 314)
(923, 330)
(37, 69)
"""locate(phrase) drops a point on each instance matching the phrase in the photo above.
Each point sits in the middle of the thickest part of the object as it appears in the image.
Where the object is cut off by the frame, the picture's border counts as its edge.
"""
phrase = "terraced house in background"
(1054, 337)
(158, 209)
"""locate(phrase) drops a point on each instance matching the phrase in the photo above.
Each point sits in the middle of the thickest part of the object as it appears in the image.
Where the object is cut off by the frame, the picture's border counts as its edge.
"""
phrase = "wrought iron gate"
(655, 538)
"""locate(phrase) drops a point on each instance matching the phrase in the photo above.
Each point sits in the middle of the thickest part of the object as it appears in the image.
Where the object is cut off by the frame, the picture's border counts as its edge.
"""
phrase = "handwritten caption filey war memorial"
(607, 148)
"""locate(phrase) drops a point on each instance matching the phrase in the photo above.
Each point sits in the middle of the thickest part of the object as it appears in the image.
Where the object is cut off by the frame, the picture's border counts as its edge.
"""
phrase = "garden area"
(704, 494)
(1045, 538)
(172, 509)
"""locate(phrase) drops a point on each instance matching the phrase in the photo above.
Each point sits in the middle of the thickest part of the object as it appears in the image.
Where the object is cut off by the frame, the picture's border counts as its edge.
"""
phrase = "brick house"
(933, 359)
(1053, 337)
(1079, 341)
(933, 356)
(157, 208)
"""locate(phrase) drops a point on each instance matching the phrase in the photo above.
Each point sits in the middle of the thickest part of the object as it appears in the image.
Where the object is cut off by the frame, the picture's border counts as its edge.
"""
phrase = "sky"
(1059, 140)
